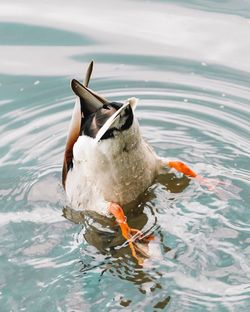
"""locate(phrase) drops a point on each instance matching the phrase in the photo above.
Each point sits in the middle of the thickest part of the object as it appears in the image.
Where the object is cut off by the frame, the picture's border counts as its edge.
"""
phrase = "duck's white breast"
(113, 170)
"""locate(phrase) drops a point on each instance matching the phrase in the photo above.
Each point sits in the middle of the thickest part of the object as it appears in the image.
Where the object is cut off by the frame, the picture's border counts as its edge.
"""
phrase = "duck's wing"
(87, 102)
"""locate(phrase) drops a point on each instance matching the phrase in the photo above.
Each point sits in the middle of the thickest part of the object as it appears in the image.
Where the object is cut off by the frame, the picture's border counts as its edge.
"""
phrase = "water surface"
(188, 63)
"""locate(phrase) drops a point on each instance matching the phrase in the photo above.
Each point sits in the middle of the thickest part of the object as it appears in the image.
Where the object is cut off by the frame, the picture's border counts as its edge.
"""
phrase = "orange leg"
(131, 235)
(181, 167)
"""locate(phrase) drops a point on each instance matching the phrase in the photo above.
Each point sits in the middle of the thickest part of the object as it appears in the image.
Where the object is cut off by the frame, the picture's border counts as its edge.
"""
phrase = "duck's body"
(107, 163)
(115, 170)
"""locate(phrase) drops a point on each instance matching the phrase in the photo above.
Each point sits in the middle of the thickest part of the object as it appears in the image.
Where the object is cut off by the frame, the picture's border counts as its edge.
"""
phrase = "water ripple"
(192, 107)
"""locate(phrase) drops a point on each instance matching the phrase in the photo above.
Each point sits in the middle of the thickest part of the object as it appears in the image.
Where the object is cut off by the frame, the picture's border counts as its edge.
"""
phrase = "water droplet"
(21, 89)
(203, 63)
(185, 100)
(36, 82)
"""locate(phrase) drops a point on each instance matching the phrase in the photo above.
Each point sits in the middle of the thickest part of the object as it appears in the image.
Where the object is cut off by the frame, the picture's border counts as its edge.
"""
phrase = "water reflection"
(104, 234)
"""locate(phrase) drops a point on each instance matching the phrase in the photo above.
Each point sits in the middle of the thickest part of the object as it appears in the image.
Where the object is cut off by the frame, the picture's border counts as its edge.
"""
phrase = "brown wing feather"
(74, 131)
(88, 74)
(86, 83)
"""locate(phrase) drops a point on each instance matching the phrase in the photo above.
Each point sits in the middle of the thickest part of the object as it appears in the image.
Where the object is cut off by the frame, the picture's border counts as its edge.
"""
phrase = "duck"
(107, 162)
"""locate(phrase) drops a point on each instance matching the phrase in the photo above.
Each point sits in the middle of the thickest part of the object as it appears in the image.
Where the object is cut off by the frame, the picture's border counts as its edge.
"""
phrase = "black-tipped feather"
(89, 102)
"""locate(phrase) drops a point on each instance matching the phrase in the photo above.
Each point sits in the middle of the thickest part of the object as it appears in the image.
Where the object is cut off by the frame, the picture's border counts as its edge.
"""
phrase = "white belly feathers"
(112, 170)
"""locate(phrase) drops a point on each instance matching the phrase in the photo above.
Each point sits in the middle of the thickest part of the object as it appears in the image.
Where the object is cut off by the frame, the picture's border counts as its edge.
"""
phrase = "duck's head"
(96, 117)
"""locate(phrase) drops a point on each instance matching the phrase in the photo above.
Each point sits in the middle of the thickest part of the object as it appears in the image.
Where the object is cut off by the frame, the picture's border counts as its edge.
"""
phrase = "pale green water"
(189, 65)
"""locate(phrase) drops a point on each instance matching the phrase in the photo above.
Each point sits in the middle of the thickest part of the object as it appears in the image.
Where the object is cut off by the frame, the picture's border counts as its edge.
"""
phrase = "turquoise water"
(188, 63)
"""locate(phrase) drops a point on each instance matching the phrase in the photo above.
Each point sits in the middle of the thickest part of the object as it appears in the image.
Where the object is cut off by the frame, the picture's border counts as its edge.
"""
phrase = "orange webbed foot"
(137, 234)
(209, 183)
(136, 239)
(181, 167)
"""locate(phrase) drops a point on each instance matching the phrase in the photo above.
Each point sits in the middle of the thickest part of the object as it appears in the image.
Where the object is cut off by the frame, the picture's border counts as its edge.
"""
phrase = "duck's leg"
(181, 167)
(130, 234)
